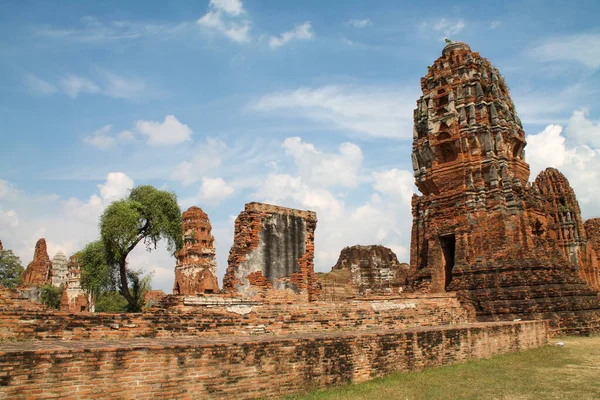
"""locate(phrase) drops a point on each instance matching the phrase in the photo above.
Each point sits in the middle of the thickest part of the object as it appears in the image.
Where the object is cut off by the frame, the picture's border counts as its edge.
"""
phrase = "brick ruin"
(59, 269)
(487, 250)
(74, 299)
(196, 268)
(565, 224)
(38, 271)
(364, 271)
(478, 227)
(272, 253)
(592, 231)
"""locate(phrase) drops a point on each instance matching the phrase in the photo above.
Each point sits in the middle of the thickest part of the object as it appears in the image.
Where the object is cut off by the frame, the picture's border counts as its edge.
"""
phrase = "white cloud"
(208, 158)
(214, 190)
(378, 111)
(395, 183)
(226, 17)
(106, 83)
(582, 130)
(100, 138)
(300, 32)
(232, 7)
(94, 31)
(125, 135)
(73, 85)
(447, 26)
(39, 86)
(546, 149)
(116, 187)
(495, 24)
(8, 191)
(103, 138)
(359, 23)
(326, 168)
(8, 218)
(578, 162)
(119, 87)
(583, 48)
(168, 132)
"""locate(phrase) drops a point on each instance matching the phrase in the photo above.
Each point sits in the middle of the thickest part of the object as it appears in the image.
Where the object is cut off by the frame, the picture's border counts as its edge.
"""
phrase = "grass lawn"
(550, 372)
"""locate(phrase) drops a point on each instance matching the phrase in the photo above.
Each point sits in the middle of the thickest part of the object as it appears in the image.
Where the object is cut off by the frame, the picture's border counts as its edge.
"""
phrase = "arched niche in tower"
(518, 150)
(447, 150)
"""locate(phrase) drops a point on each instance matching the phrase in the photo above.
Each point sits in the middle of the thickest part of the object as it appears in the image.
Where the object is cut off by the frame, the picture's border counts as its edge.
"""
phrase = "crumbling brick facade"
(478, 228)
(37, 272)
(592, 231)
(196, 268)
(565, 224)
(273, 251)
(364, 271)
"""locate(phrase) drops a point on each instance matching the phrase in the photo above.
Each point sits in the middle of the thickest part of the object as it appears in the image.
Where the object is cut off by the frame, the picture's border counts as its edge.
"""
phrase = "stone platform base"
(244, 367)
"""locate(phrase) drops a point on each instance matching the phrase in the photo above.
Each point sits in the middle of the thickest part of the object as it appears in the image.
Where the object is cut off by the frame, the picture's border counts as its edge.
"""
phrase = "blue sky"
(305, 104)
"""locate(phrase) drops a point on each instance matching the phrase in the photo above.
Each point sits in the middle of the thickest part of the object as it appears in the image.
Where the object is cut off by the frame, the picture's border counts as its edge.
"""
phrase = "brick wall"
(244, 367)
(232, 319)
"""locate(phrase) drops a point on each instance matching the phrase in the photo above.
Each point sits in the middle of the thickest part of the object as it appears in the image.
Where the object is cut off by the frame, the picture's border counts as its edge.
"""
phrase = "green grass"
(550, 372)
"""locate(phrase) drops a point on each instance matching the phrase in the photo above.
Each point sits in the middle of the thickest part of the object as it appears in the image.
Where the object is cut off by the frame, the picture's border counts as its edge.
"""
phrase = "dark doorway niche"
(448, 243)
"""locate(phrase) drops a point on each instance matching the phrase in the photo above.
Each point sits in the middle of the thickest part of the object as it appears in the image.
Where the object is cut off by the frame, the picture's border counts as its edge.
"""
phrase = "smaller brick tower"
(196, 268)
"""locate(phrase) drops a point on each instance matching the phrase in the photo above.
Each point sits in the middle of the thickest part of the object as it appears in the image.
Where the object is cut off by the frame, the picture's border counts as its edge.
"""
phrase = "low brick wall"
(244, 367)
(234, 319)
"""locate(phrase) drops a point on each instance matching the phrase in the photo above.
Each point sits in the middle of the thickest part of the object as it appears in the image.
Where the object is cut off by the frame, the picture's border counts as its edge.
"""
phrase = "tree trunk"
(133, 306)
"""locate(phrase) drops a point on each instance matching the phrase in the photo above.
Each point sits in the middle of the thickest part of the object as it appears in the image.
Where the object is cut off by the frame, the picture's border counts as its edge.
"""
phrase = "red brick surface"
(37, 272)
(244, 367)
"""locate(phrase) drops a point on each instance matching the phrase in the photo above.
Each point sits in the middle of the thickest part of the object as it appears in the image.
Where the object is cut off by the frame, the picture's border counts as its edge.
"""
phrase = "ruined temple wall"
(247, 367)
(272, 253)
(24, 323)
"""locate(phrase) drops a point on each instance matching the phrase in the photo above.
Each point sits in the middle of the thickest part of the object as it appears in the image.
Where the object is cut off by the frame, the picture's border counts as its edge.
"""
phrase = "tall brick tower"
(479, 228)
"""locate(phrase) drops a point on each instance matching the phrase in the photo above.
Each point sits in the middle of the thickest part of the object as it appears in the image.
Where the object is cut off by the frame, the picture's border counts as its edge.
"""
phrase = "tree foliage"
(51, 295)
(11, 269)
(148, 215)
(96, 274)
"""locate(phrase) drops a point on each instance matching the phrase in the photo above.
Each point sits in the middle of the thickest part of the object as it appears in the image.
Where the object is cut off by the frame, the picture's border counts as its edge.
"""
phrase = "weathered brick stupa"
(196, 268)
(565, 224)
(479, 228)
(373, 270)
(37, 272)
(592, 231)
(272, 252)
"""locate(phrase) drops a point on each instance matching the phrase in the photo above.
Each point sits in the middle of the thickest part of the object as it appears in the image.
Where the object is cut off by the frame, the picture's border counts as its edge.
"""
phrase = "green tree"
(111, 301)
(51, 295)
(96, 274)
(148, 215)
(11, 269)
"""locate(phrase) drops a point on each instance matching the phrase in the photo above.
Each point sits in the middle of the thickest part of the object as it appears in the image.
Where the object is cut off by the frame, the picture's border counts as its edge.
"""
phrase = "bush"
(51, 295)
(111, 302)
